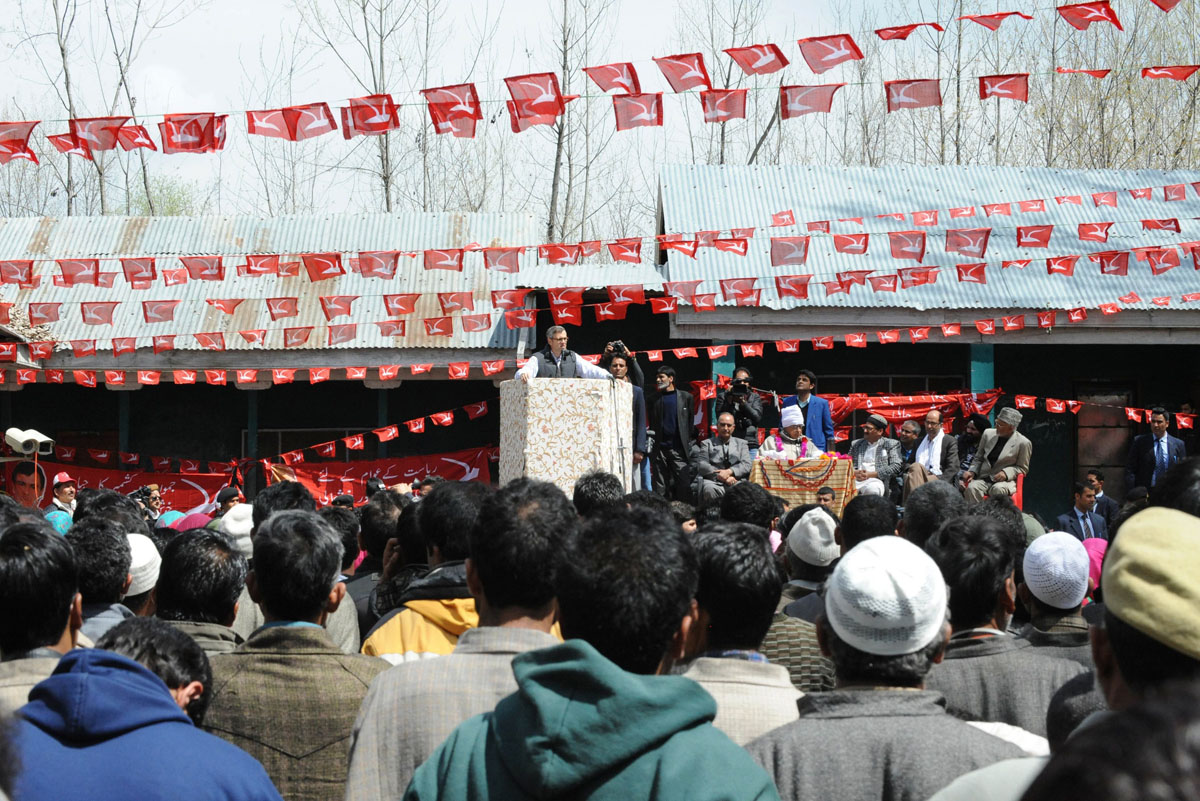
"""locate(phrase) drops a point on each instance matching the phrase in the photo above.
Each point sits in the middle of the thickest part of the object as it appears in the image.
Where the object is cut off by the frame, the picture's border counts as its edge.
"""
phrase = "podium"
(557, 429)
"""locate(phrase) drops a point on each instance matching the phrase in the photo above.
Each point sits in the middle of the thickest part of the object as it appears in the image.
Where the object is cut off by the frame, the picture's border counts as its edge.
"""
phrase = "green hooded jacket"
(581, 727)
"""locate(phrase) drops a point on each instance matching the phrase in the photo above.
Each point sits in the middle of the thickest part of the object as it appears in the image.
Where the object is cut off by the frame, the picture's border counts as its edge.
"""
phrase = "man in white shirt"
(937, 456)
(876, 457)
(556, 361)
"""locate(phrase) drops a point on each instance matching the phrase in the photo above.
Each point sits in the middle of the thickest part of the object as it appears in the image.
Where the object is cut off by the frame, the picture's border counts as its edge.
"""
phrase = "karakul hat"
(886, 597)
(1056, 570)
(1009, 415)
(811, 539)
(791, 416)
(1151, 577)
(145, 564)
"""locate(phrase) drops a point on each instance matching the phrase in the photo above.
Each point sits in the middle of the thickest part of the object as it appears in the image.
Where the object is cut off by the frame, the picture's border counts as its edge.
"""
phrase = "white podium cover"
(557, 429)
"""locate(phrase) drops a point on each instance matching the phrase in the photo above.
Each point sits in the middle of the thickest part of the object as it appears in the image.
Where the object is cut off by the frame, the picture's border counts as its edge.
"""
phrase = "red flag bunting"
(620, 77)
(684, 71)
(993, 21)
(1014, 86)
(823, 53)
(1082, 15)
(921, 93)
(758, 59)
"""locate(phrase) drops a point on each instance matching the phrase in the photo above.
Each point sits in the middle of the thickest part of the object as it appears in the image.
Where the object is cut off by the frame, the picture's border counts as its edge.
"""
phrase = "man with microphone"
(556, 361)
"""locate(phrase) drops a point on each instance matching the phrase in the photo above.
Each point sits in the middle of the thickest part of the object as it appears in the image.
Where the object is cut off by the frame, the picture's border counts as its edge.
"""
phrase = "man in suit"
(1003, 455)
(1152, 454)
(1105, 506)
(268, 694)
(818, 419)
(1081, 522)
(936, 458)
(720, 461)
(908, 434)
(671, 423)
(876, 458)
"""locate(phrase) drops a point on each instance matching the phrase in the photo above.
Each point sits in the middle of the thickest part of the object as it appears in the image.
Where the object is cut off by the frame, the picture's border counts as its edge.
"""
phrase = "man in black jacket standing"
(671, 423)
(745, 405)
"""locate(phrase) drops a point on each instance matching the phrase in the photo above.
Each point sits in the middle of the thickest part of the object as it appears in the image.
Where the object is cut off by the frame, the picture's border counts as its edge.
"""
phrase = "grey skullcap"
(878, 420)
(1009, 415)
(886, 597)
(811, 539)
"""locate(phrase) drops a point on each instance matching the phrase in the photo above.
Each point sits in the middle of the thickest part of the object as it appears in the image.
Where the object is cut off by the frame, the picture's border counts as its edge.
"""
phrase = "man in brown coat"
(288, 695)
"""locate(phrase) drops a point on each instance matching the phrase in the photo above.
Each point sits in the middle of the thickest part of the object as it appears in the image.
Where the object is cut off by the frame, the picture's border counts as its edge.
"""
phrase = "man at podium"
(555, 361)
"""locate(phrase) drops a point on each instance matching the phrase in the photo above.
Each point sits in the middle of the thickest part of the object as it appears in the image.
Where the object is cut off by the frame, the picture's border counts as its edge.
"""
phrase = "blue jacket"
(818, 422)
(103, 727)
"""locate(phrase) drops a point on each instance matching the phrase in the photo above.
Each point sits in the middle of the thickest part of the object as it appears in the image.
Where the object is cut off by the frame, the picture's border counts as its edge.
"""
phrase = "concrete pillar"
(983, 367)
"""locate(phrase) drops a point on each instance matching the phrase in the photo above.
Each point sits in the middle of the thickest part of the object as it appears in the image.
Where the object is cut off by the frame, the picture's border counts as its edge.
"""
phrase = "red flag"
(560, 253)
(102, 456)
(1014, 86)
(318, 374)
(822, 53)
(571, 314)
(758, 59)
(733, 288)
(704, 303)
(131, 137)
(664, 305)
(1061, 265)
(883, 283)
(256, 336)
(249, 376)
(736, 246)
(535, 97)
(626, 293)
(442, 418)
(951, 329)
(98, 312)
(78, 271)
(139, 272)
(1162, 259)
(85, 378)
(687, 248)
(456, 301)
(183, 376)
(789, 250)
(520, 318)
(204, 268)
(26, 375)
(722, 105)
(54, 377)
(1055, 406)
(337, 305)
(993, 21)
(751, 349)
(907, 244)
(972, 273)
(1133, 414)
(626, 250)
(1025, 401)
(40, 350)
(492, 367)
(1071, 200)
(1109, 308)
(994, 209)
(684, 71)
(1131, 297)
(856, 340)
(174, 275)
(888, 337)
(356, 373)
(322, 266)
(1171, 224)
(822, 343)
(912, 94)
(904, 31)
(1082, 15)
(1034, 236)
(440, 326)
(1094, 73)
(159, 311)
(502, 260)
(685, 353)
(192, 133)
(123, 345)
(565, 295)
(986, 327)
(507, 298)
(293, 122)
(378, 263)
(449, 104)
(1184, 420)
(1181, 73)
(1167, 6)
(620, 77)
(850, 243)
(396, 305)
(14, 141)
(476, 323)
(16, 272)
(968, 241)
(925, 217)
(638, 110)
(1046, 318)
(416, 426)
(280, 308)
(1094, 232)
(784, 218)
(1175, 192)
(296, 337)
(341, 334)
(796, 101)
(388, 372)
(1076, 315)
(281, 375)
(787, 345)
(71, 145)
(418, 369)
(1014, 322)
(226, 305)
(370, 115)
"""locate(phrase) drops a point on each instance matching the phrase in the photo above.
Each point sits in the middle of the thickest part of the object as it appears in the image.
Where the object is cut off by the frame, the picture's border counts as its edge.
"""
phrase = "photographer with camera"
(745, 405)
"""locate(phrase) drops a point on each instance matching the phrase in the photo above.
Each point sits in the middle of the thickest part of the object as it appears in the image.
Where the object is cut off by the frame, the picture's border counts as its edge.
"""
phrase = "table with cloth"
(797, 481)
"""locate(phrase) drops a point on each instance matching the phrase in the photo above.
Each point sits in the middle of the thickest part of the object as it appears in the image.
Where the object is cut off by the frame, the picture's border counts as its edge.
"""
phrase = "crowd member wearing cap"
(103, 558)
(201, 576)
(227, 498)
(812, 550)
(790, 442)
(1055, 583)
(290, 667)
(144, 564)
(739, 587)
(988, 674)
(880, 734)
(876, 458)
(815, 409)
(236, 524)
(40, 608)
(1003, 454)
(64, 494)
(865, 517)
(720, 462)
(515, 548)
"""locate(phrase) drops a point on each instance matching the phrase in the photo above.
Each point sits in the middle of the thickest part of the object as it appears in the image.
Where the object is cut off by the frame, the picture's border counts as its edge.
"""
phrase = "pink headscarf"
(1095, 548)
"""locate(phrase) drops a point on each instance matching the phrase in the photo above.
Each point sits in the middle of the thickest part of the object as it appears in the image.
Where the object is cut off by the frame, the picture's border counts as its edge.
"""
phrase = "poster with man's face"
(27, 483)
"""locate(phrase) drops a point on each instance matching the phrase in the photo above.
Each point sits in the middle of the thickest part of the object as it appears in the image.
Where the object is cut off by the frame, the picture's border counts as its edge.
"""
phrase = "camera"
(29, 442)
(618, 346)
(740, 387)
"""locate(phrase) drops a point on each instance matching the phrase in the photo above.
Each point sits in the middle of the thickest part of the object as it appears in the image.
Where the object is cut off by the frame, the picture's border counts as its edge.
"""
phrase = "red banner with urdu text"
(180, 491)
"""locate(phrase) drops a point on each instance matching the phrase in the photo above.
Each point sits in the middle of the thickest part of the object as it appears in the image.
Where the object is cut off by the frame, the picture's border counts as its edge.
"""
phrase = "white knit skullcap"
(791, 416)
(236, 525)
(886, 597)
(811, 539)
(145, 564)
(1056, 570)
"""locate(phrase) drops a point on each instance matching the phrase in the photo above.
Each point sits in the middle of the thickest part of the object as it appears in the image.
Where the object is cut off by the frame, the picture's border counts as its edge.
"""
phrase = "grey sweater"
(1001, 678)
(873, 745)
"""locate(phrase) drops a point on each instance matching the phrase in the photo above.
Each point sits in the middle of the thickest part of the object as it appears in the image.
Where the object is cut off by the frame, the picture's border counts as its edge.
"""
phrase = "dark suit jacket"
(1139, 465)
(639, 420)
(1069, 523)
(948, 459)
(685, 414)
(1107, 508)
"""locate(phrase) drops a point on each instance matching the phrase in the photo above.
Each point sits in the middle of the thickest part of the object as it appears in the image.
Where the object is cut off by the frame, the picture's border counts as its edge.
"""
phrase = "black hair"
(99, 502)
(812, 377)
(928, 507)
(518, 541)
(102, 557)
(10, 511)
(38, 581)
(975, 559)
(746, 370)
(827, 491)
(447, 515)
(345, 522)
(409, 539)
(1069, 706)
(200, 579)
(625, 585)
(380, 519)
(1159, 411)
(279, 497)
(1144, 661)
(296, 560)
(745, 502)
(1001, 509)
(867, 516)
(1179, 487)
(682, 512)
(432, 480)
(1148, 752)
(1078, 487)
(1095, 471)
(167, 653)
(26, 468)
(374, 485)
(853, 666)
(665, 369)
(651, 501)
(596, 492)
(739, 584)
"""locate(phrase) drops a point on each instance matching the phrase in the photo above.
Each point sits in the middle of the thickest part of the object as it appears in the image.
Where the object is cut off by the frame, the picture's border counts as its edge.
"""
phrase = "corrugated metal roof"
(707, 197)
(236, 236)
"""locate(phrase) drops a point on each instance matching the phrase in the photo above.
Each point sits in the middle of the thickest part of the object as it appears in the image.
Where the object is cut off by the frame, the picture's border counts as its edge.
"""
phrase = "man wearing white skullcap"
(1056, 580)
(880, 735)
(790, 442)
(143, 571)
